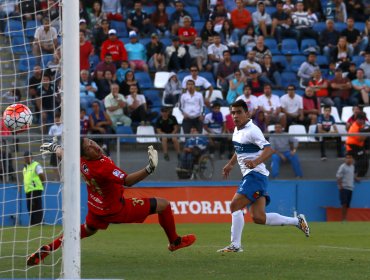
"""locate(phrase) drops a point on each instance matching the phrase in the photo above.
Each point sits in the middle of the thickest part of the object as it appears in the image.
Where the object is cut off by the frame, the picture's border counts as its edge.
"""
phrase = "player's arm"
(52, 147)
(266, 154)
(229, 166)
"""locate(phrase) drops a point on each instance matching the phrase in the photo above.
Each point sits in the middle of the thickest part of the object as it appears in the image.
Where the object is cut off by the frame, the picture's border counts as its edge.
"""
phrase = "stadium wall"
(199, 202)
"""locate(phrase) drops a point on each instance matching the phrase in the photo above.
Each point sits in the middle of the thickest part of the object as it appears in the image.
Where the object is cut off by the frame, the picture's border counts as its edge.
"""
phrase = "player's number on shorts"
(136, 201)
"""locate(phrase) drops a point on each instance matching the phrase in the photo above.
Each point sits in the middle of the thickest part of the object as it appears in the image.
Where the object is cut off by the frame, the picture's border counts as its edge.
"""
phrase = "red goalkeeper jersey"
(104, 185)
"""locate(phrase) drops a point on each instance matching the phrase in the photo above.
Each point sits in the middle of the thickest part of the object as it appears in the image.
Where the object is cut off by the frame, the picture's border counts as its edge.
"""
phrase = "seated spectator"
(270, 105)
(136, 53)
(215, 53)
(45, 39)
(84, 122)
(260, 49)
(101, 34)
(115, 105)
(160, 20)
(207, 32)
(241, 18)
(292, 106)
(176, 56)
(262, 20)
(100, 123)
(260, 120)
(219, 16)
(187, 33)
(177, 18)
(214, 123)
(33, 83)
(289, 7)
(121, 72)
(352, 71)
(285, 149)
(127, 82)
(341, 91)
(248, 39)
(172, 90)
(198, 54)
(225, 72)
(86, 50)
(279, 20)
(155, 54)
(314, 6)
(250, 100)
(105, 65)
(137, 107)
(366, 65)
(88, 89)
(340, 11)
(329, 38)
(311, 107)
(112, 10)
(353, 36)
(355, 9)
(89, 36)
(236, 87)
(13, 95)
(255, 82)
(55, 131)
(228, 37)
(104, 85)
(139, 21)
(326, 124)
(342, 50)
(356, 111)
(303, 21)
(96, 15)
(167, 124)
(115, 47)
(361, 87)
(246, 65)
(305, 71)
(320, 86)
(270, 72)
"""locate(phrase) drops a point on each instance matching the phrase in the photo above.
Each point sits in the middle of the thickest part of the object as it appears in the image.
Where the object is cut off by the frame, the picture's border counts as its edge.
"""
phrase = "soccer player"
(251, 151)
(106, 201)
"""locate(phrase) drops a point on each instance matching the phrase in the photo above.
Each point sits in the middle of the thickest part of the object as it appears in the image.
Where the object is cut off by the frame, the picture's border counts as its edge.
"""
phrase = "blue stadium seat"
(126, 130)
(237, 58)
(14, 28)
(125, 40)
(299, 92)
(272, 45)
(182, 74)
(278, 92)
(322, 61)
(198, 25)
(149, 9)
(26, 63)
(296, 62)
(209, 77)
(308, 43)
(289, 47)
(120, 27)
(144, 79)
(170, 10)
(280, 59)
(358, 59)
(153, 97)
(319, 26)
(251, 9)
(360, 26)
(45, 58)
(270, 10)
(93, 61)
(166, 41)
(21, 45)
(145, 40)
(31, 27)
(194, 12)
(289, 78)
(339, 26)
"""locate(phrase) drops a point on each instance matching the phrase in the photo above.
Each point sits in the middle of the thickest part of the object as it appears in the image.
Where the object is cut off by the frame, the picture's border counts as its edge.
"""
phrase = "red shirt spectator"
(187, 33)
(240, 17)
(113, 46)
(86, 49)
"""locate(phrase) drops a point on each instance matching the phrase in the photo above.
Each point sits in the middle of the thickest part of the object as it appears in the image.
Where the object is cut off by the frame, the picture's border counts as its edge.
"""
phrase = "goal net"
(31, 73)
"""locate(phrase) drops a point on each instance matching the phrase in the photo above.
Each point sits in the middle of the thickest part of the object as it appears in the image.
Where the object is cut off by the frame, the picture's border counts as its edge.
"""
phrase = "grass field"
(334, 251)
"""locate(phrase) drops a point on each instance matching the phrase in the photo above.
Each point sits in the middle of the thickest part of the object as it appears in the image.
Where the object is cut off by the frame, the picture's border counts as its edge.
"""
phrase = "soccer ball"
(17, 117)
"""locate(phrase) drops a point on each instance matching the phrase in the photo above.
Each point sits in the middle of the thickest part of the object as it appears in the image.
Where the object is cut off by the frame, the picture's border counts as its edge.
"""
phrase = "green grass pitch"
(139, 251)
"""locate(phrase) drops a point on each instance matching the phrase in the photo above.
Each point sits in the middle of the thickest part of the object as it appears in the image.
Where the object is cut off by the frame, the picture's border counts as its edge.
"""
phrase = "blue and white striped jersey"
(249, 143)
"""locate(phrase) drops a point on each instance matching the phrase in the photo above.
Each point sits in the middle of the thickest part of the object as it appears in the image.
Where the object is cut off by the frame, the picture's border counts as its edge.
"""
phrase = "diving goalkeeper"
(106, 202)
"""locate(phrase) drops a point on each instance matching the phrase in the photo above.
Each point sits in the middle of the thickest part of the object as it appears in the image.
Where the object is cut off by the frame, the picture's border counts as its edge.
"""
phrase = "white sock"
(237, 227)
(275, 219)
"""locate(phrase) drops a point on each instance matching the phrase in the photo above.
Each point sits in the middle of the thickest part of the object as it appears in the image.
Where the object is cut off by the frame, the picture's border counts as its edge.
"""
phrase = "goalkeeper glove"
(48, 148)
(153, 160)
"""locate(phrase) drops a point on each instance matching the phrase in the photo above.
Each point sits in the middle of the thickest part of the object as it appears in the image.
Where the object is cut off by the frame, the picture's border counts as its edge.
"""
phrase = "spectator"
(167, 124)
(236, 87)
(191, 106)
(96, 15)
(355, 9)
(88, 89)
(260, 49)
(160, 20)
(289, 7)
(56, 131)
(262, 20)
(342, 51)
(320, 86)
(285, 149)
(356, 111)
(121, 72)
(260, 120)
(115, 104)
(33, 181)
(13, 95)
(305, 71)
(353, 36)
(341, 91)
(103, 66)
(137, 107)
(352, 71)
(115, 47)
(198, 53)
(101, 34)
(304, 21)
(250, 100)
(172, 90)
(270, 105)
(136, 53)
(361, 86)
(345, 180)
(207, 31)
(329, 38)
(100, 123)
(366, 34)
(292, 106)
(87, 31)
(215, 53)
(139, 21)
(326, 125)
(53, 11)
(155, 53)
(270, 72)
(246, 65)
(33, 83)
(177, 18)
(311, 106)
(45, 39)
(84, 122)
(240, 17)
(225, 72)
(255, 82)
(228, 37)
(127, 82)
(30, 10)
(279, 20)
(249, 39)
(187, 33)
(112, 9)
(340, 11)
(218, 16)
(86, 50)
(366, 65)
(176, 56)
(214, 123)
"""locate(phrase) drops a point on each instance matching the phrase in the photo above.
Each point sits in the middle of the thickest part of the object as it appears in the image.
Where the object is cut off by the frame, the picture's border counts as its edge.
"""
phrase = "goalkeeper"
(106, 201)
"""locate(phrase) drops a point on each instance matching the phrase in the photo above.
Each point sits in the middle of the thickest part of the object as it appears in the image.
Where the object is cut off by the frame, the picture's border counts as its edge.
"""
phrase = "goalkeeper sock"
(237, 226)
(275, 219)
(57, 242)
(167, 222)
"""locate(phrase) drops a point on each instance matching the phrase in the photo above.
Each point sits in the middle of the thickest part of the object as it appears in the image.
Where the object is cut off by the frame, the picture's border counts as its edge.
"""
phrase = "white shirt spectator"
(215, 128)
(111, 101)
(199, 82)
(56, 130)
(252, 102)
(217, 51)
(291, 105)
(246, 63)
(273, 102)
(46, 38)
(111, 6)
(139, 97)
(192, 105)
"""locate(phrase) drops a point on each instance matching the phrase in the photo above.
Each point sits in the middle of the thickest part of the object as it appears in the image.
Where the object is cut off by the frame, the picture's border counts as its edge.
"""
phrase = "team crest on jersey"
(118, 173)
(256, 195)
(85, 169)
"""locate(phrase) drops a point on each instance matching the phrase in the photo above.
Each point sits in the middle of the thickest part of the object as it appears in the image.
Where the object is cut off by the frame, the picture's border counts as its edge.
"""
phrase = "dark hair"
(240, 103)
(327, 107)
(82, 152)
(108, 54)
